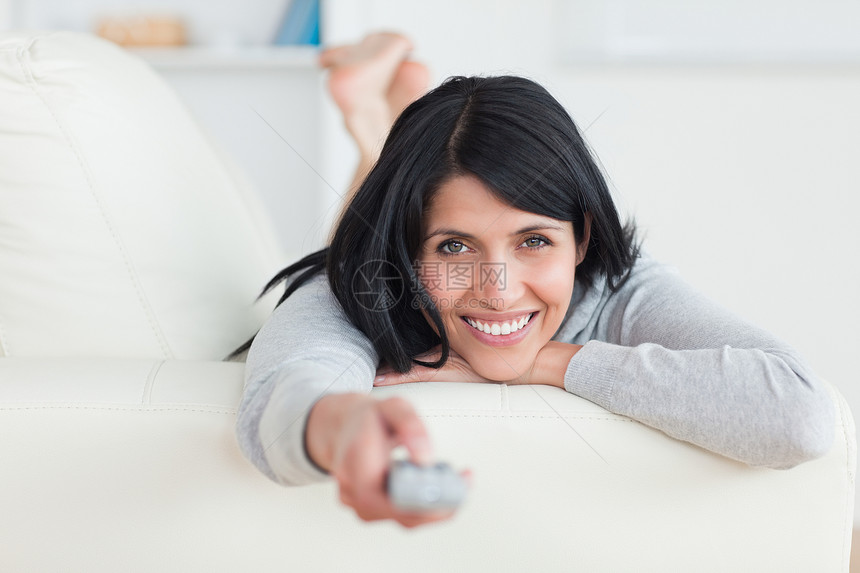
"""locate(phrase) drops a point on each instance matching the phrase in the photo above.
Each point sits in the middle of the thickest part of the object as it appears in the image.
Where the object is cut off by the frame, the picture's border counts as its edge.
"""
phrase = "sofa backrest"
(123, 232)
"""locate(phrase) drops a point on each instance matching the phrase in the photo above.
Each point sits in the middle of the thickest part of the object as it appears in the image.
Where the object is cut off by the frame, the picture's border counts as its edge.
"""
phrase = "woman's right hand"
(351, 436)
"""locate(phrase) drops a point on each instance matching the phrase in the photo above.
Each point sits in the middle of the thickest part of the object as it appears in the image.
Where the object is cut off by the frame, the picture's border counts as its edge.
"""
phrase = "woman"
(483, 246)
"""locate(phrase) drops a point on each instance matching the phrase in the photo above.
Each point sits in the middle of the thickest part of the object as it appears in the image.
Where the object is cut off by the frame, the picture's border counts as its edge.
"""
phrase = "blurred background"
(729, 129)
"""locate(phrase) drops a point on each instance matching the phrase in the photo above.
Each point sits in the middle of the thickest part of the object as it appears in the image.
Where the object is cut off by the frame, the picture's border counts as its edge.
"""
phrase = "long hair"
(513, 136)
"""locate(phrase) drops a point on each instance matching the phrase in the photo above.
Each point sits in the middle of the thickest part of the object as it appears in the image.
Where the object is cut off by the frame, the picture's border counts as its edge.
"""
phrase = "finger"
(389, 379)
(384, 370)
(365, 492)
(411, 520)
(346, 498)
(361, 465)
(431, 355)
(393, 378)
(407, 428)
(467, 475)
(422, 374)
(373, 506)
(416, 374)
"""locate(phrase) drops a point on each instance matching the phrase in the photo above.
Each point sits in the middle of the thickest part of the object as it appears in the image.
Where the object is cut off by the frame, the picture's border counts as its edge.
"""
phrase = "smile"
(499, 328)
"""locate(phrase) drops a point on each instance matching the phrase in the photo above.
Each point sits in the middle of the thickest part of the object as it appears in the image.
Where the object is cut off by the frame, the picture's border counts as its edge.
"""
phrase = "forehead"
(466, 202)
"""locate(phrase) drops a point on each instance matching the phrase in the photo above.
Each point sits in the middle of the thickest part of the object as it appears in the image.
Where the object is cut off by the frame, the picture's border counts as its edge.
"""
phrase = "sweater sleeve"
(667, 356)
(306, 350)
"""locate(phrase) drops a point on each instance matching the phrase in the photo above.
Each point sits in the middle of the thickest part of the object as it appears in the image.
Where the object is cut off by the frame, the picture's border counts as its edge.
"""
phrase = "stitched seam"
(147, 310)
(201, 410)
(150, 382)
(218, 410)
(527, 416)
(846, 540)
(4, 344)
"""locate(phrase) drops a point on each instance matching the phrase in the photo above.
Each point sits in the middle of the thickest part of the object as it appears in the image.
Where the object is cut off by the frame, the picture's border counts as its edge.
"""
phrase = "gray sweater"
(656, 350)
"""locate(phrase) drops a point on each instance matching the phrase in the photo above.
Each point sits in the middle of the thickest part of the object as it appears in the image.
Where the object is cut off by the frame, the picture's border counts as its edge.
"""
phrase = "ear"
(582, 246)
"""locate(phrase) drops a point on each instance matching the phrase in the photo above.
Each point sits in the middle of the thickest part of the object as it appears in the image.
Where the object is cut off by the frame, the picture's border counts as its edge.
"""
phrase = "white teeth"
(499, 329)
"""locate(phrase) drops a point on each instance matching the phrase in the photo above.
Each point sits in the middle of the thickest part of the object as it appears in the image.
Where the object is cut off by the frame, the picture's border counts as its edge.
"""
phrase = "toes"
(333, 56)
(410, 82)
(379, 41)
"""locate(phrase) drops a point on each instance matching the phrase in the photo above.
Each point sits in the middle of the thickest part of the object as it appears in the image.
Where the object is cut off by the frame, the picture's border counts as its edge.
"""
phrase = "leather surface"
(126, 233)
(111, 464)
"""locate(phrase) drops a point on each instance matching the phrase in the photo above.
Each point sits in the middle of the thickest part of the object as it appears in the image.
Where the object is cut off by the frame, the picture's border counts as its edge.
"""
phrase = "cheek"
(445, 284)
(436, 284)
(555, 285)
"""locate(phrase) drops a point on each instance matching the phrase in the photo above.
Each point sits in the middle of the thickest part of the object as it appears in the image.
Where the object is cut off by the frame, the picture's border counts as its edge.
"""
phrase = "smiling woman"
(483, 246)
(498, 323)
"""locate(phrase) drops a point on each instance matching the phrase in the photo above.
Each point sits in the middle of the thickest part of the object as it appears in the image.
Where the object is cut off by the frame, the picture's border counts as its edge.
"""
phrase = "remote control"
(424, 488)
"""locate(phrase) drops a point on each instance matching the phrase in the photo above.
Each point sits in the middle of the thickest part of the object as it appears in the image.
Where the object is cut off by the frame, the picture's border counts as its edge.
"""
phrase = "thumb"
(407, 429)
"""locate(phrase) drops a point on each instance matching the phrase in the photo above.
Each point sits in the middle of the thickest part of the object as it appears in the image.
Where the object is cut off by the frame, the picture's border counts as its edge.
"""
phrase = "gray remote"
(425, 488)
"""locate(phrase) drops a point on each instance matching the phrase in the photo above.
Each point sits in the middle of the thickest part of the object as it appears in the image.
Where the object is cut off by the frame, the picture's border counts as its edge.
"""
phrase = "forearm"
(552, 363)
(307, 350)
(324, 423)
(272, 421)
(660, 352)
(746, 404)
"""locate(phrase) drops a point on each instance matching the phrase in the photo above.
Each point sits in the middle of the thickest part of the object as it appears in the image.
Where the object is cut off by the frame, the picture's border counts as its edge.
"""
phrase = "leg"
(372, 82)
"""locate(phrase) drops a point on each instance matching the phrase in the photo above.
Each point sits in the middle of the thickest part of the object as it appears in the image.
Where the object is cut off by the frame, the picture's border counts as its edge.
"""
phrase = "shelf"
(239, 58)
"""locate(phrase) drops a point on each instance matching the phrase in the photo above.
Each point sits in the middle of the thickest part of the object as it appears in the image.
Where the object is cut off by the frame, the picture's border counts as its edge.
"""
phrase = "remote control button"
(431, 493)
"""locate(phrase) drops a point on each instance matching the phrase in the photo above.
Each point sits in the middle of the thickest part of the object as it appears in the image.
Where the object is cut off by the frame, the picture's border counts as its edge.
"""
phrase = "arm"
(307, 379)
(662, 353)
(307, 350)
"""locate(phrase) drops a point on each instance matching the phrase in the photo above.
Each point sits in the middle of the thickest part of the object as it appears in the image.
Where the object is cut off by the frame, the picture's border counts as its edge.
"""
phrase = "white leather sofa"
(130, 254)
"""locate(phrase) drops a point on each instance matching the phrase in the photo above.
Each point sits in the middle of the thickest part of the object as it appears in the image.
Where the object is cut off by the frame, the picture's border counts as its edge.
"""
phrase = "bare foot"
(371, 83)
(410, 83)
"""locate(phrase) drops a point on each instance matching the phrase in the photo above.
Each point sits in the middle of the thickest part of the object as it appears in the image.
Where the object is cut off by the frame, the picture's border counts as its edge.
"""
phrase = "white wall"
(267, 119)
(5, 14)
(208, 23)
(745, 176)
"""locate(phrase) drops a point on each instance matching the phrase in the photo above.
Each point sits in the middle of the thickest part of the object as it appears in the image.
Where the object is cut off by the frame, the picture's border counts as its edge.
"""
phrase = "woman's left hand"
(549, 368)
(456, 369)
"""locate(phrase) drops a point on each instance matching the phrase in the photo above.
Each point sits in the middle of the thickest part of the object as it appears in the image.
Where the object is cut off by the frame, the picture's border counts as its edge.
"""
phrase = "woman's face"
(501, 278)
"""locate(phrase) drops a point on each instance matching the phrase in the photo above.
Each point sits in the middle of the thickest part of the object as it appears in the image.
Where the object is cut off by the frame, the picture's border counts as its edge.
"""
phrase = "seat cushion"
(122, 231)
(107, 463)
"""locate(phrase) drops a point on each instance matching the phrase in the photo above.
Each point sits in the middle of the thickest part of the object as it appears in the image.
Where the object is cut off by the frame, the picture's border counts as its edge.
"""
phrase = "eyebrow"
(529, 229)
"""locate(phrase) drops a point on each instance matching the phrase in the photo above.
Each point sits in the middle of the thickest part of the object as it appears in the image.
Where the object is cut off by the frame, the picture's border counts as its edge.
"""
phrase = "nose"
(498, 284)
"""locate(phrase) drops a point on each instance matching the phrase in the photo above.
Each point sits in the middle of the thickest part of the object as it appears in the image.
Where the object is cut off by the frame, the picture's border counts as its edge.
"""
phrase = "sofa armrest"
(111, 464)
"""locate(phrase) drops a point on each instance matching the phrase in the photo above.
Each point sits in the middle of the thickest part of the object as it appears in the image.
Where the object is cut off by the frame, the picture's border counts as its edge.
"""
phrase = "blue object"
(301, 24)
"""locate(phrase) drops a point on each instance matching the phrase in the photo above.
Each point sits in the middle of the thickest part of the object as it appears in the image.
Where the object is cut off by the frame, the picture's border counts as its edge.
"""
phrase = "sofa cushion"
(138, 468)
(122, 231)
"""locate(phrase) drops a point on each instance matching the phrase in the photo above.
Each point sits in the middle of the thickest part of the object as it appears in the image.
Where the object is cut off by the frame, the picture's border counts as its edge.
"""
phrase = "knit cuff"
(592, 372)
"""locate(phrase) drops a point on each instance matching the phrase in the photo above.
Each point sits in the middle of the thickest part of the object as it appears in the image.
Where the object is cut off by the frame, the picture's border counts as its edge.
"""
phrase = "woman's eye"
(534, 242)
(453, 247)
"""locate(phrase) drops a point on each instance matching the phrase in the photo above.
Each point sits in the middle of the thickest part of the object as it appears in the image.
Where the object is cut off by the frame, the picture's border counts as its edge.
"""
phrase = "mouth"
(499, 328)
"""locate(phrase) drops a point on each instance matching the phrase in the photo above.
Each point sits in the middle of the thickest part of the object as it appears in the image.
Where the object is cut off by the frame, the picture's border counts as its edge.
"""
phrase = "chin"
(500, 368)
